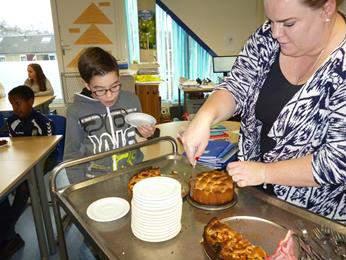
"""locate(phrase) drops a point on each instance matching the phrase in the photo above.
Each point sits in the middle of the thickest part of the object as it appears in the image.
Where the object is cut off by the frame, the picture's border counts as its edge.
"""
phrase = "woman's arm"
(219, 106)
(293, 172)
(231, 96)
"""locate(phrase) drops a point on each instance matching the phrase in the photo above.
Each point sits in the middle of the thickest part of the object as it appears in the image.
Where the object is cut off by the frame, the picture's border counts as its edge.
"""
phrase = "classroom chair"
(59, 129)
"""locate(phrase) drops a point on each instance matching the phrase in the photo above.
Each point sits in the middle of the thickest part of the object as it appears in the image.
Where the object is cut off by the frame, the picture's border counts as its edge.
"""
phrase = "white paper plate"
(108, 209)
(140, 119)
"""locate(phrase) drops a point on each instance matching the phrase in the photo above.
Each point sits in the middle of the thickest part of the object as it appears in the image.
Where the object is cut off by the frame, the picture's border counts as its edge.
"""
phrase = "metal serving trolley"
(265, 215)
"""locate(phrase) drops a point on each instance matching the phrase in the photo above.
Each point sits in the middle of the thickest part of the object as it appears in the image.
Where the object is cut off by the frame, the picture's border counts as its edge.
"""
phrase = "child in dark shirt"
(25, 121)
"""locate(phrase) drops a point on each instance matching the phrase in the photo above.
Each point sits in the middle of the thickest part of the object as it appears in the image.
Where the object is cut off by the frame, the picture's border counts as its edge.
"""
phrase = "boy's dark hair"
(24, 92)
(96, 61)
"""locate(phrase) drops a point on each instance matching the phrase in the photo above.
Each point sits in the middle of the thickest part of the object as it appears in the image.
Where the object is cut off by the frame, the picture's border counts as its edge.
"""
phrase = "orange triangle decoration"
(93, 35)
(94, 15)
(74, 61)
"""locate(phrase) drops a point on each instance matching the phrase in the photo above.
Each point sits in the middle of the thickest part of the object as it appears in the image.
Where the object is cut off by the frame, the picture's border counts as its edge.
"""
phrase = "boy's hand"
(146, 130)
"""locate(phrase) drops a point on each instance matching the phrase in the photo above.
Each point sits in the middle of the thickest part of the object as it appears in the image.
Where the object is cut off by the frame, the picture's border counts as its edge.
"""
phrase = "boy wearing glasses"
(96, 118)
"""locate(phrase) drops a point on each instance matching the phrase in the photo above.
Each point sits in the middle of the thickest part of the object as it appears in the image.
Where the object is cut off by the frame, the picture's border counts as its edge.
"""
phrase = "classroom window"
(23, 57)
(179, 55)
(30, 41)
(42, 57)
(132, 30)
(52, 56)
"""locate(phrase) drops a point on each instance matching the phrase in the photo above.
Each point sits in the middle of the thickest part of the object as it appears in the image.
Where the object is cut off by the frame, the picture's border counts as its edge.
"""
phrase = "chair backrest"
(2, 120)
(3, 127)
(59, 129)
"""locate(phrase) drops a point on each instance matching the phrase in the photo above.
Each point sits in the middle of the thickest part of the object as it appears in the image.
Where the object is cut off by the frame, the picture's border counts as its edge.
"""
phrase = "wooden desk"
(189, 90)
(41, 103)
(22, 159)
(172, 129)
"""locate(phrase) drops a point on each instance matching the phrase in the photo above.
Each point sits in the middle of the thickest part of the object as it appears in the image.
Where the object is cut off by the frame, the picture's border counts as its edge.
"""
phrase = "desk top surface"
(5, 105)
(201, 88)
(20, 155)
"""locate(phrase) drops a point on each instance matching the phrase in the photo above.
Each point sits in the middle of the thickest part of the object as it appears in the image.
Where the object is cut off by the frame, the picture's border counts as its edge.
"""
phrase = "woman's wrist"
(265, 178)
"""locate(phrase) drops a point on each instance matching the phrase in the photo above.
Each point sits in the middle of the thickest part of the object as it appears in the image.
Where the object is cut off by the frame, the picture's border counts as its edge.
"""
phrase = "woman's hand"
(146, 130)
(195, 139)
(247, 173)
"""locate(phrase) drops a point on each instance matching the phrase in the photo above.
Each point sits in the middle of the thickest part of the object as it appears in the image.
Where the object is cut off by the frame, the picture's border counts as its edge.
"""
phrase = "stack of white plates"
(156, 209)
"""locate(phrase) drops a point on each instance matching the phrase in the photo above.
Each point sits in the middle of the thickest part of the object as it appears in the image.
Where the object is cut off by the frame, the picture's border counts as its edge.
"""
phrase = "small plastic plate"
(108, 209)
(140, 119)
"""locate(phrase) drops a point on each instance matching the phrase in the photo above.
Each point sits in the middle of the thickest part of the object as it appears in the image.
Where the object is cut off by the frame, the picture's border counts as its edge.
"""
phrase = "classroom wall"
(223, 25)
(80, 24)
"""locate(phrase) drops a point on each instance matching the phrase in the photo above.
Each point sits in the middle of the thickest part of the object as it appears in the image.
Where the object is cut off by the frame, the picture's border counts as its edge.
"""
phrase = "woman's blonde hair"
(319, 3)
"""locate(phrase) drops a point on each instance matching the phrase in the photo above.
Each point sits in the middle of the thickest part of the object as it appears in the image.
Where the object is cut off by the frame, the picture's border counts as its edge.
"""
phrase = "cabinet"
(149, 96)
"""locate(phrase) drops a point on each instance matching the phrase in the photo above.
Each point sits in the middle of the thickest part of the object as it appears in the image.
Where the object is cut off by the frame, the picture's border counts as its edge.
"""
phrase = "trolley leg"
(59, 228)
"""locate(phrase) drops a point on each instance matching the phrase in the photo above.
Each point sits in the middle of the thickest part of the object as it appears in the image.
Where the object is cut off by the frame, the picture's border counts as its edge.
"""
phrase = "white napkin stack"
(156, 209)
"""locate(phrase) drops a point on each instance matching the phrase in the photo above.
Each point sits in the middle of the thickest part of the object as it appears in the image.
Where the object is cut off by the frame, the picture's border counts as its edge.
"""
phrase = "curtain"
(180, 59)
(179, 55)
(131, 12)
(163, 43)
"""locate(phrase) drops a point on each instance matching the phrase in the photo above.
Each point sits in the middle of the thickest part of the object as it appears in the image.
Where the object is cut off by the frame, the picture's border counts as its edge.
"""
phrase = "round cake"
(212, 188)
(146, 173)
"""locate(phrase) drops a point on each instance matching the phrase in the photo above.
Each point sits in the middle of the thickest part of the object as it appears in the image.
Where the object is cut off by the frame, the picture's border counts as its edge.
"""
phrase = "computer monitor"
(223, 64)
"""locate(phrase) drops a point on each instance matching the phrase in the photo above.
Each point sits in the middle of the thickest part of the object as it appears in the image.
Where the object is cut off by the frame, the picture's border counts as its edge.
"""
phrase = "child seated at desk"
(25, 121)
(38, 81)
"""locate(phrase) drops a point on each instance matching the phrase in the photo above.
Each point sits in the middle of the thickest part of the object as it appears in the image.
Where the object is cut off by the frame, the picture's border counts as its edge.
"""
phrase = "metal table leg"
(36, 211)
(39, 174)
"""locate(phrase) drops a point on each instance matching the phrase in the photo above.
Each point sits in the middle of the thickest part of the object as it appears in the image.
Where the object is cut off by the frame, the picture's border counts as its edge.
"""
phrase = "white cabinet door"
(79, 24)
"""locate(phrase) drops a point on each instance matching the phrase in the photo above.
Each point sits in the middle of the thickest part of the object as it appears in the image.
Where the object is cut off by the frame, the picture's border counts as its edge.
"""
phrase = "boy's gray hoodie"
(93, 128)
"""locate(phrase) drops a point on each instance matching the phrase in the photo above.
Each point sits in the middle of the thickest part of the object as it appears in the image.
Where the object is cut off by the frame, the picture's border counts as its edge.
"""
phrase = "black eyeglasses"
(102, 92)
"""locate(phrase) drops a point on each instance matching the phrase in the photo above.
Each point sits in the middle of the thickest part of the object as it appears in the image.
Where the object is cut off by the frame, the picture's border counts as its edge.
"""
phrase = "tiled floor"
(26, 228)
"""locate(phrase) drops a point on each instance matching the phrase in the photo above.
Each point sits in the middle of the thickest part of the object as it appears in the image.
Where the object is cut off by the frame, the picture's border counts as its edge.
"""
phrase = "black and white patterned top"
(312, 122)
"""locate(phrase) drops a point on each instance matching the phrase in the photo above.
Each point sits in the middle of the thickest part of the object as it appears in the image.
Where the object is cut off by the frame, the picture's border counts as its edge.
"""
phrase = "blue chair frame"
(59, 128)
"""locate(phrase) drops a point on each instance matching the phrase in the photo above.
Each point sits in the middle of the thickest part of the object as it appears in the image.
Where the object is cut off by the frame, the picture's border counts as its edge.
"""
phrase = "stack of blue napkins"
(218, 154)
